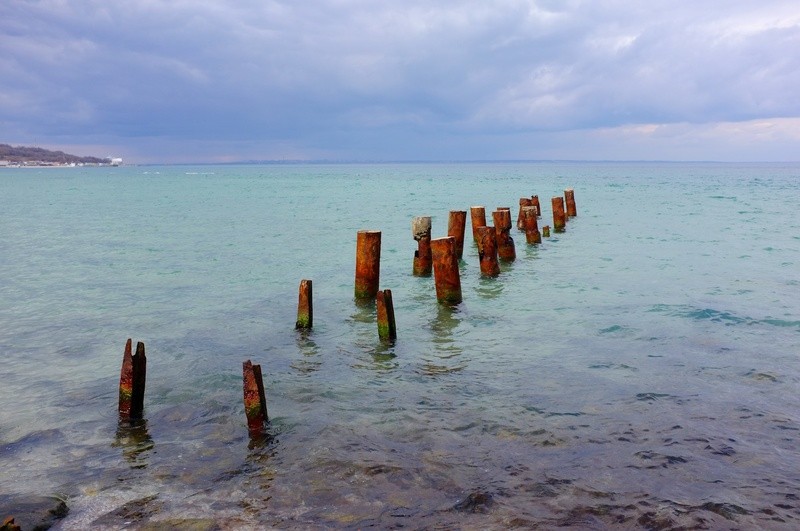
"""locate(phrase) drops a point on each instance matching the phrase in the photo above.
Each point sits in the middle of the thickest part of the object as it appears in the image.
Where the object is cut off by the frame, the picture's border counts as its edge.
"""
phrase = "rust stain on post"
(487, 251)
(559, 216)
(523, 202)
(387, 329)
(531, 225)
(546, 231)
(569, 196)
(423, 260)
(139, 380)
(445, 270)
(368, 264)
(535, 202)
(305, 306)
(478, 218)
(505, 243)
(126, 381)
(456, 225)
(255, 402)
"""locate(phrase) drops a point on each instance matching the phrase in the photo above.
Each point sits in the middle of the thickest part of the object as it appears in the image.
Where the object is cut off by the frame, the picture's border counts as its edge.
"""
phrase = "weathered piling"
(505, 243)
(305, 306)
(387, 330)
(487, 251)
(255, 399)
(445, 270)
(569, 196)
(132, 380)
(559, 216)
(523, 202)
(531, 225)
(368, 264)
(546, 231)
(535, 202)
(456, 225)
(423, 260)
(478, 217)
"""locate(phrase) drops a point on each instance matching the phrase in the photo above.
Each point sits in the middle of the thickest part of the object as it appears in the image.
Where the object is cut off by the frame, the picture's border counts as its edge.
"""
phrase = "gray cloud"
(200, 80)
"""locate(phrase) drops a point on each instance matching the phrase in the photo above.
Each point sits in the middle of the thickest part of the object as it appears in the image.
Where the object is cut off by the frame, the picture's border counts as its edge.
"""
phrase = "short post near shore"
(132, 379)
(423, 260)
(445, 270)
(456, 225)
(305, 307)
(546, 231)
(255, 400)
(487, 251)
(368, 264)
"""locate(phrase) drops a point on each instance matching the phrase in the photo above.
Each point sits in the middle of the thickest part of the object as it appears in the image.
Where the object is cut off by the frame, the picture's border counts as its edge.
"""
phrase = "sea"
(637, 371)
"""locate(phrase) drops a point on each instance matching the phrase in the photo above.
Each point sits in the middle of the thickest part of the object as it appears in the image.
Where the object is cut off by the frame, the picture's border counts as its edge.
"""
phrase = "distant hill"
(21, 154)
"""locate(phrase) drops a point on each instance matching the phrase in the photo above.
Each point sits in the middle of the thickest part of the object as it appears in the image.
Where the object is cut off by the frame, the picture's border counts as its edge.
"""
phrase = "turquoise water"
(640, 369)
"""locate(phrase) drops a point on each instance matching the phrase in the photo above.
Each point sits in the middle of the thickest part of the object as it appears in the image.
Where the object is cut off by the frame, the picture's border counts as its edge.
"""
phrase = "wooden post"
(456, 224)
(569, 196)
(487, 251)
(305, 307)
(423, 260)
(445, 270)
(368, 264)
(535, 202)
(478, 217)
(132, 380)
(532, 235)
(505, 243)
(546, 231)
(523, 202)
(559, 217)
(255, 401)
(387, 329)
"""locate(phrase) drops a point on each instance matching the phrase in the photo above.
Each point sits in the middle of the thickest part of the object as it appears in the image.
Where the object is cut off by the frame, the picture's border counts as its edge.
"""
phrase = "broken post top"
(421, 227)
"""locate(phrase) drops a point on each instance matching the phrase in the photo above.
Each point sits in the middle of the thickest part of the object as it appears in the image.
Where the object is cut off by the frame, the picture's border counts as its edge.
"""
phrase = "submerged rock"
(476, 502)
(32, 512)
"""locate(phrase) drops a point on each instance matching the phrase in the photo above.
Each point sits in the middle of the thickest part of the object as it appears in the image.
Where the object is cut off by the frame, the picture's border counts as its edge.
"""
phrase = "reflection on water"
(446, 354)
(307, 347)
(490, 288)
(134, 439)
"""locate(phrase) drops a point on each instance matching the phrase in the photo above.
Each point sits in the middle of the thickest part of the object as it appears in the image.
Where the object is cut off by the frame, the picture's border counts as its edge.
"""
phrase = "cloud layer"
(203, 80)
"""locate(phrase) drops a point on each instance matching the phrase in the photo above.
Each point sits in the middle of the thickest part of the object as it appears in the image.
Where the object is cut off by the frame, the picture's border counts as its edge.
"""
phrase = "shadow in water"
(134, 439)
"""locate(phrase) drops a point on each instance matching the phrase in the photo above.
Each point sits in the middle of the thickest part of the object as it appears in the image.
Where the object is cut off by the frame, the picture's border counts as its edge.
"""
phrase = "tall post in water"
(255, 400)
(305, 307)
(523, 202)
(487, 251)
(423, 260)
(569, 196)
(132, 380)
(559, 216)
(535, 202)
(478, 218)
(387, 329)
(456, 225)
(368, 264)
(505, 243)
(445, 270)
(531, 225)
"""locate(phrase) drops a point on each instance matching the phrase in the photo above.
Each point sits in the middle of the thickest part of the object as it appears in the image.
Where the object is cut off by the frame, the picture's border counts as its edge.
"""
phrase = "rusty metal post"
(523, 202)
(305, 307)
(478, 218)
(456, 225)
(546, 231)
(505, 243)
(559, 216)
(132, 381)
(532, 235)
(423, 260)
(569, 196)
(387, 329)
(535, 202)
(487, 251)
(255, 401)
(445, 270)
(368, 264)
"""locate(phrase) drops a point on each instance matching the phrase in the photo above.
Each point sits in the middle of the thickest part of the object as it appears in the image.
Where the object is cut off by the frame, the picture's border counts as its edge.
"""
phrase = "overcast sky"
(225, 80)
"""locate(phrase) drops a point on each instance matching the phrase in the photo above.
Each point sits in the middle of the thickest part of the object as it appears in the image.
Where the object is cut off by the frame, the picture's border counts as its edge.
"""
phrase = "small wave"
(718, 316)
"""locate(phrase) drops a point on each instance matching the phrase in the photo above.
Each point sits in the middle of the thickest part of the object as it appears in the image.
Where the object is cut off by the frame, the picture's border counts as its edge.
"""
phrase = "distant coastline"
(36, 157)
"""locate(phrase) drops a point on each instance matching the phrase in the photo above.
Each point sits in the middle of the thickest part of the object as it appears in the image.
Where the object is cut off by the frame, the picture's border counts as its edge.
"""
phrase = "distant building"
(116, 162)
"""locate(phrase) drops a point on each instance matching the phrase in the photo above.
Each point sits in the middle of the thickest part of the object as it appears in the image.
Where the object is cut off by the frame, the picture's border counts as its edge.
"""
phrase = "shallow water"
(639, 370)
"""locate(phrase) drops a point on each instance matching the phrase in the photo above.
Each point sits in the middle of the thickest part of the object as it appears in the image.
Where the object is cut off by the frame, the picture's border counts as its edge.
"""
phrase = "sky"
(183, 81)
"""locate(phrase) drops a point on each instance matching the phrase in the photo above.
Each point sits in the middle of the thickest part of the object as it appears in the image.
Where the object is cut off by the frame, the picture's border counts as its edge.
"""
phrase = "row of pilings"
(439, 256)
